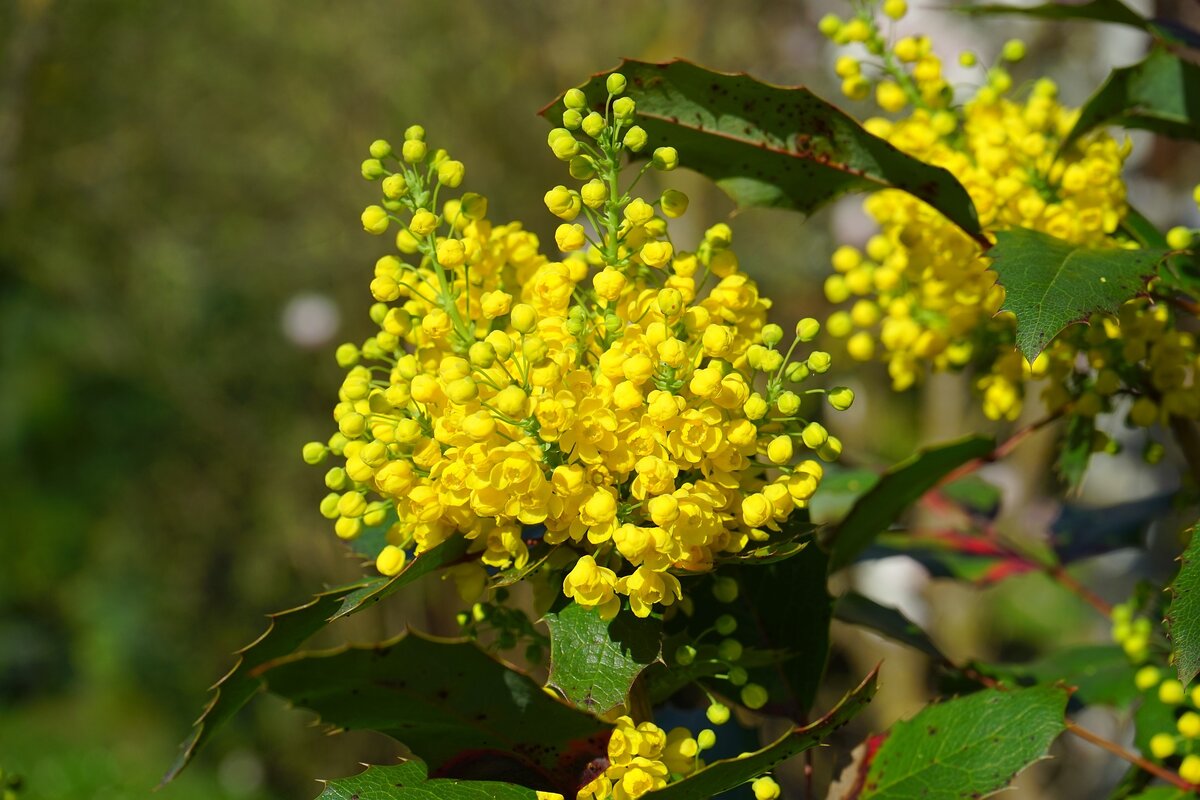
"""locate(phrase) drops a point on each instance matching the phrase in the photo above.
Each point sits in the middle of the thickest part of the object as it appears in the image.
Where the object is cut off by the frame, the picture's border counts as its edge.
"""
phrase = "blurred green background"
(179, 253)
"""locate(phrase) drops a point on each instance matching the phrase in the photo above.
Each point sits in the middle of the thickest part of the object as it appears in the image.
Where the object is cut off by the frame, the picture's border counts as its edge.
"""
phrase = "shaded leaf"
(775, 146)
(1160, 94)
(1050, 283)
(1076, 451)
(1101, 673)
(897, 489)
(593, 663)
(730, 773)
(965, 748)
(856, 609)
(287, 630)
(450, 703)
(1113, 11)
(445, 554)
(1183, 617)
(786, 607)
(974, 494)
(840, 489)
(410, 781)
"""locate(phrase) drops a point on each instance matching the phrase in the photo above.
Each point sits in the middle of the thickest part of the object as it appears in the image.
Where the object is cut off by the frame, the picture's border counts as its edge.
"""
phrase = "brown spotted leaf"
(775, 146)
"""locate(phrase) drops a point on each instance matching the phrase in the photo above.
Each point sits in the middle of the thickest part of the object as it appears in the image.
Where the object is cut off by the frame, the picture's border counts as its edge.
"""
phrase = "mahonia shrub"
(612, 421)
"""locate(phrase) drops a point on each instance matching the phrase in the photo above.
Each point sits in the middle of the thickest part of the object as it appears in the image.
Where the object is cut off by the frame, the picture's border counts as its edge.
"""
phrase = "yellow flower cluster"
(641, 759)
(628, 400)
(921, 293)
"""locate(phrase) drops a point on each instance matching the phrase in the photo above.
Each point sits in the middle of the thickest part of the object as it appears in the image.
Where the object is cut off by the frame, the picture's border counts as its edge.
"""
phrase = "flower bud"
(372, 169)
(615, 83)
(717, 714)
(665, 158)
(840, 397)
(623, 109)
(635, 139)
(593, 124)
(375, 220)
(414, 133)
(754, 696)
(523, 317)
(450, 173)
(390, 560)
(673, 203)
(380, 148)
(423, 223)
(414, 151)
(570, 237)
(572, 119)
(575, 99)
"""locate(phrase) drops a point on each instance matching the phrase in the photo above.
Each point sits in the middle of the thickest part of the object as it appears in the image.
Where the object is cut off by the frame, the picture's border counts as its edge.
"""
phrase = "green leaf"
(974, 494)
(446, 700)
(840, 489)
(410, 781)
(774, 146)
(1162, 793)
(965, 748)
(1100, 673)
(730, 773)
(1050, 283)
(1076, 451)
(785, 606)
(1160, 94)
(1183, 617)
(897, 489)
(445, 554)
(287, 630)
(1113, 11)
(856, 609)
(592, 662)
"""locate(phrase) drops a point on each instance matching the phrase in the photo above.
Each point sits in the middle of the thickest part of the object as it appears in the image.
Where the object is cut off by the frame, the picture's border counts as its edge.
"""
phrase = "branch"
(1157, 771)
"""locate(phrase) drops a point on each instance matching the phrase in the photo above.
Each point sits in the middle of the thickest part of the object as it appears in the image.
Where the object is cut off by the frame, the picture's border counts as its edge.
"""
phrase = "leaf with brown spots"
(461, 711)
(775, 146)
(969, 747)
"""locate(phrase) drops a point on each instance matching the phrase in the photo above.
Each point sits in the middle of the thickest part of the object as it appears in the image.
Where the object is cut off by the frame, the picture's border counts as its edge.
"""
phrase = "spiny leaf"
(287, 630)
(1183, 618)
(775, 146)
(593, 662)
(410, 781)
(1160, 94)
(454, 706)
(897, 489)
(965, 748)
(730, 773)
(1113, 11)
(1050, 283)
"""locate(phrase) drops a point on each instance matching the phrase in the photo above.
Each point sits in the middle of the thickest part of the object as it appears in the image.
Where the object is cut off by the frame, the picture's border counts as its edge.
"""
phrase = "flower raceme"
(628, 398)
(921, 293)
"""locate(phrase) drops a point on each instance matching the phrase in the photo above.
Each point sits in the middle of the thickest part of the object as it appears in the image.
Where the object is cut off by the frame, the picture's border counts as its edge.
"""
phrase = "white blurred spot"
(310, 320)
(241, 773)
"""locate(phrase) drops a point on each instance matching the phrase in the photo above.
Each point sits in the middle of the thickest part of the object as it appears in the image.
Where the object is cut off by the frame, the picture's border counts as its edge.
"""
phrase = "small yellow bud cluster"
(643, 758)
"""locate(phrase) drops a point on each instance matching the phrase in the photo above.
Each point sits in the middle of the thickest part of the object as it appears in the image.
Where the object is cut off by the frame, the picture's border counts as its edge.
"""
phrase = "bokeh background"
(179, 254)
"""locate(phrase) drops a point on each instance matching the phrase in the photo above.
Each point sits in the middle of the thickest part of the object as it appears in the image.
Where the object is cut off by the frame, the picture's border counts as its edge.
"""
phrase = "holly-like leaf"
(730, 773)
(1183, 618)
(897, 489)
(410, 781)
(1113, 11)
(1050, 283)
(965, 748)
(856, 609)
(452, 705)
(1160, 94)
(592, 662)
(287, 630)
(775, 146)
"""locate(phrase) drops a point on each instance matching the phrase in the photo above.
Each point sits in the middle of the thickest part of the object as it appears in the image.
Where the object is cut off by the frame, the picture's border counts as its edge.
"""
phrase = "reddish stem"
(1120, 752)
(1003, 449)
